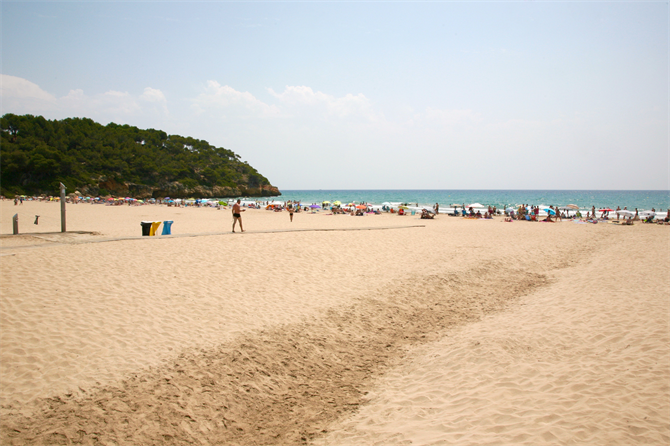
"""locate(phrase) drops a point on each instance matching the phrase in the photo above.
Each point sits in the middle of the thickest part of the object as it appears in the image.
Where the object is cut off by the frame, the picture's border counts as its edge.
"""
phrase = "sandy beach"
(331, 329)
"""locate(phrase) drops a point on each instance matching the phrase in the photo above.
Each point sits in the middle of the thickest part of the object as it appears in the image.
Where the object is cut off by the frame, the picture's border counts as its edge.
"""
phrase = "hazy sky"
(377, 95)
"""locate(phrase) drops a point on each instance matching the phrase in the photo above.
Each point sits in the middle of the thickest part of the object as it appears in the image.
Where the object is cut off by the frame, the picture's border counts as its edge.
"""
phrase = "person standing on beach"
(437, 208)
(290, 211)
(237, 215)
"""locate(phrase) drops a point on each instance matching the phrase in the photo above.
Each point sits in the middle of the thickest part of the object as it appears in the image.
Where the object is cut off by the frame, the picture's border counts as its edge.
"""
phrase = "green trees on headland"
(37, 154)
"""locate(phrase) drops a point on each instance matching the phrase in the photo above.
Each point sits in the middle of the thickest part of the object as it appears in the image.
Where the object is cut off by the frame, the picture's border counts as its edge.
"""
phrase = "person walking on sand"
(237, 215)
(290, 211)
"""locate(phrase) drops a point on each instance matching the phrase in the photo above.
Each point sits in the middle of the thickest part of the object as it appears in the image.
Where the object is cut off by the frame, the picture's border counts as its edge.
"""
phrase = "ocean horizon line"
(584, 198)
(514, 190)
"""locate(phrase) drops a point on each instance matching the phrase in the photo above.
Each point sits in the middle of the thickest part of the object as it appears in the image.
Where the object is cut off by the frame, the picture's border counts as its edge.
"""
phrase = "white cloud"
(156, 100)
(346, 106)
(21, 96)
(118, 106)
(18, 88)
(227, 98)
(153, 95)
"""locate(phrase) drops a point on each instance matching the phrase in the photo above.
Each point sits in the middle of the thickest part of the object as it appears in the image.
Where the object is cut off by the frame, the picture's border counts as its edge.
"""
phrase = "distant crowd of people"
(522, 212)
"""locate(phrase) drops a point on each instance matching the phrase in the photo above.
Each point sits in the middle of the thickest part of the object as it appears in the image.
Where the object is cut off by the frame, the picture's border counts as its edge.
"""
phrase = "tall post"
(62, 207)
(15, 223)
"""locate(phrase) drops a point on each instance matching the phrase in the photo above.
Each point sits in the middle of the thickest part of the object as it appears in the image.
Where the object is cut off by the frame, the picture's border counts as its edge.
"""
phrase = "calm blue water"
(641, 199)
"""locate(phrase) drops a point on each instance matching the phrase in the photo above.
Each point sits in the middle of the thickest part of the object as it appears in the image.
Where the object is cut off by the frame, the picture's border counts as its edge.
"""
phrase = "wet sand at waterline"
(380, 329)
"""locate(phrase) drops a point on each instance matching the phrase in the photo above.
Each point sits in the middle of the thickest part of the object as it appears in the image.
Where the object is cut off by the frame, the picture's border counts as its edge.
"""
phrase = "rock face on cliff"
(36, 155)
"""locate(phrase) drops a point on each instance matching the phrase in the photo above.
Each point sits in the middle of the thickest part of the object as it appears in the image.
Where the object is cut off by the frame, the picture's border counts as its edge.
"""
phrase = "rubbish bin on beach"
(146, 227)
(154, 227)
(167, 226)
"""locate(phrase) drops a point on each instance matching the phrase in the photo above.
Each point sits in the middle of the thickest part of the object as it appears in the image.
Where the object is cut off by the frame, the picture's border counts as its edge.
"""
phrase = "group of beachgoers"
(554, 214)
(296, 206)
(522, 212)
(532, 213)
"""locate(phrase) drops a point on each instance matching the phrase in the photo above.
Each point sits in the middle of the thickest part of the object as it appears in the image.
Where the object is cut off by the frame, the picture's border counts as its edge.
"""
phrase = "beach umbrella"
(361, 206)
(326, 202)
(625, 212)
(550, 211)
(572, 206)
(605, 210)
(476, 205)
(336, 203)
(314, 206)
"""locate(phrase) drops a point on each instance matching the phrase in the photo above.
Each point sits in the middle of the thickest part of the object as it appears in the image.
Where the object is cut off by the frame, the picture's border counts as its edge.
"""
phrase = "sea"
(501, 199)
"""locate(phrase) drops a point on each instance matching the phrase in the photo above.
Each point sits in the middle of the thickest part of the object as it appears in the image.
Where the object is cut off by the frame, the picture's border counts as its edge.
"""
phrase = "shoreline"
(585, 199)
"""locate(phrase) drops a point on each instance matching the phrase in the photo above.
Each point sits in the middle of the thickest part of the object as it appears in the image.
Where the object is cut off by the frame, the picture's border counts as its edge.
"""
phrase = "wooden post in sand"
(15, 223)
(62, 207)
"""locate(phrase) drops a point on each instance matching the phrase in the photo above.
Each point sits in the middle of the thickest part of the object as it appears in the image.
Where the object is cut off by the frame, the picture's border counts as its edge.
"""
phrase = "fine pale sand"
(330, 330)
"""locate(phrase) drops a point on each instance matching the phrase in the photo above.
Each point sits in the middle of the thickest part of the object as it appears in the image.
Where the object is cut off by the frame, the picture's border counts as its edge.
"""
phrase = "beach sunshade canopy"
(337, 203)
(326, 202)
(625, 212)
(476, 205)
(550, 211)
(314, 206)
(572, 206)
(605, 210)
(361, 206)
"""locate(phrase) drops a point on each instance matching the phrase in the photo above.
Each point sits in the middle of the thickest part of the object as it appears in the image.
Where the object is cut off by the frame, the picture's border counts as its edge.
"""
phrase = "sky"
(366, 95)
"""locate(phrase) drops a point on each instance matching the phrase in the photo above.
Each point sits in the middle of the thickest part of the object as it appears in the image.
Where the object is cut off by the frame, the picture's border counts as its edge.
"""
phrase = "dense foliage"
(38, 154)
